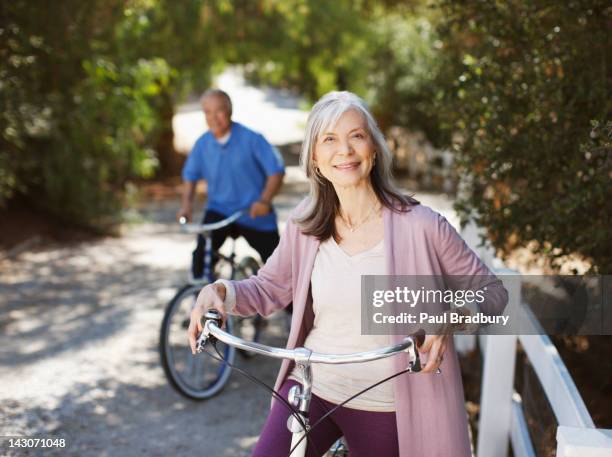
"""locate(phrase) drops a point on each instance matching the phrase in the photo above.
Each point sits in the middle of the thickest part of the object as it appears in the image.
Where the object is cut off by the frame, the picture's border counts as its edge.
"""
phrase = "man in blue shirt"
(242, 170)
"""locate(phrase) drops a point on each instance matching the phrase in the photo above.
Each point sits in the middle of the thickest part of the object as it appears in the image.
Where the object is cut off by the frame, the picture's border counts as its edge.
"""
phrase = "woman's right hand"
(211, 296)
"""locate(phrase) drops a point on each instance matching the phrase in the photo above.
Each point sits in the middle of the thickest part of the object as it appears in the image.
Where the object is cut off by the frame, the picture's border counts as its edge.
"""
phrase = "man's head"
(217, 108)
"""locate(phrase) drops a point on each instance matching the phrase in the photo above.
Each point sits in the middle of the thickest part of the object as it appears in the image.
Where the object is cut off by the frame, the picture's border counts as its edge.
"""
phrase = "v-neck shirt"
(336, 294)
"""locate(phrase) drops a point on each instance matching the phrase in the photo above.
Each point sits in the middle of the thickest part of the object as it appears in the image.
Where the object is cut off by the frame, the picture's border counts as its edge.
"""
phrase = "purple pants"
(367, 433)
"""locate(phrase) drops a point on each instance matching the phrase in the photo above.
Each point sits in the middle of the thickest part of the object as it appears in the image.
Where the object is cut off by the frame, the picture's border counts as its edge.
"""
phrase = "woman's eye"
(359, 136)
(328, 139)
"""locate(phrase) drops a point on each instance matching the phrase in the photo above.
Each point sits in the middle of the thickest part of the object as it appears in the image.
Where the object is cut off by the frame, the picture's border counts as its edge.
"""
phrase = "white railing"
(502, 420)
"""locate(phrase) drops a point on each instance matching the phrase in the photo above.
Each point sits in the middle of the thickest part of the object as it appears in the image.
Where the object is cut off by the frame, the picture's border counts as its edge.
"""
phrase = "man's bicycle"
(197, 378)
(300, 396)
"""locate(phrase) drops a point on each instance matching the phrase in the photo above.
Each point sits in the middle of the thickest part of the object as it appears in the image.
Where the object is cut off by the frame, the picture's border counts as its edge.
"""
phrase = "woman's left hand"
(435, 347)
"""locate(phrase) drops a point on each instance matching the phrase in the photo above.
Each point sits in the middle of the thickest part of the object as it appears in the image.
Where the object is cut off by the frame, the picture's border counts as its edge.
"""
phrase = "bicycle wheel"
(196, 377)
(338, 449)
(248, 328)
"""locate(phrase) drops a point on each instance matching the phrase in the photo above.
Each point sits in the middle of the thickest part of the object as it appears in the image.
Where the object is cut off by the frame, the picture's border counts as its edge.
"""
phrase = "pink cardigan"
(431, 416)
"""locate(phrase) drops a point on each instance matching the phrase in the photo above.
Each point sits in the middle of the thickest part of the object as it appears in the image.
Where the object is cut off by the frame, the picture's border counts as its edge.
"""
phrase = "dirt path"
(78, 358)
(78, 338)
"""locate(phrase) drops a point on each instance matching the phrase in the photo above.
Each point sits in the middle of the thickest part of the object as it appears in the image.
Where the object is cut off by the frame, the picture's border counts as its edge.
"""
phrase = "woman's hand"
(210, 297)
(435, 347)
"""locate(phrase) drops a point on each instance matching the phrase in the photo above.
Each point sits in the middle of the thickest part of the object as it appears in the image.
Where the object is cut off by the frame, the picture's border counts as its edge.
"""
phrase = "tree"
(76, 120)
(531, 103)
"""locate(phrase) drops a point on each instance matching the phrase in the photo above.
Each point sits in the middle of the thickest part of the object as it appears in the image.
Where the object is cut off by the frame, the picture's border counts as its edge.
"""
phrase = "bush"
(100, 141)
(531, 103)
(77, 117)
(405, 78)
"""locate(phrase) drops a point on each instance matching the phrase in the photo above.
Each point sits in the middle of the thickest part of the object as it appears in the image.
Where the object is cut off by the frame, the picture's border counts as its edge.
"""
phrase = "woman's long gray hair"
(318, 218)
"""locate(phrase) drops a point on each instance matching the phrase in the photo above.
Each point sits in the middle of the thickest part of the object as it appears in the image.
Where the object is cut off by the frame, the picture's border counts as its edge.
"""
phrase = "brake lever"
(205, 336)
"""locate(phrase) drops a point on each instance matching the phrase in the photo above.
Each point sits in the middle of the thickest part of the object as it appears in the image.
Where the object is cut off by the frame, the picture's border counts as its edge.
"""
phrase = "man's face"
(217, 115)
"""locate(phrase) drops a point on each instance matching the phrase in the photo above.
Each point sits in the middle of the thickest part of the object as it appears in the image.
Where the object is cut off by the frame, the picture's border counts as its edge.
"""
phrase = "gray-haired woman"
(356, 222)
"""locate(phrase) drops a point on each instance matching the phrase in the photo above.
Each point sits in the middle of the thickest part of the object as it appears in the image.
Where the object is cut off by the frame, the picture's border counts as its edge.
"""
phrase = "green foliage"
(315, 46)
(111, 123)
(529, 80)
(185, 33)
(515, 84)
(78, 119)
(521, 86)
(404, 79)
(386, 51)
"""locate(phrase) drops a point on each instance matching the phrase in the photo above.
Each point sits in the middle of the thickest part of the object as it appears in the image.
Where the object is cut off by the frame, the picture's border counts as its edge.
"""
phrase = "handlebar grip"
(419, 339)
(205, 337)
(211, 315)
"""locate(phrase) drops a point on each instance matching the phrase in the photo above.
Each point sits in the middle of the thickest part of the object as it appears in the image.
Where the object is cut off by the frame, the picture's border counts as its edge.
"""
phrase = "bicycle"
(299, 399)
(193, 378)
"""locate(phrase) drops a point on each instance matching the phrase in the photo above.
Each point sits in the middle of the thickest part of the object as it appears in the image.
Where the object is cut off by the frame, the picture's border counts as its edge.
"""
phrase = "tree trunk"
(170, 162)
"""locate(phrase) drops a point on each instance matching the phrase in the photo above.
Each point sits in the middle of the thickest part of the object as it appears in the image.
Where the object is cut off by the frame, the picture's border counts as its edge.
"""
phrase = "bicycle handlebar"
(204, 228)
(211, 328)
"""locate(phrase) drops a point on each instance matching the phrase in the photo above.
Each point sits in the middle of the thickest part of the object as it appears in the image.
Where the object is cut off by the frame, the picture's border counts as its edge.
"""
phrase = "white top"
(224, 139)
(336, 293)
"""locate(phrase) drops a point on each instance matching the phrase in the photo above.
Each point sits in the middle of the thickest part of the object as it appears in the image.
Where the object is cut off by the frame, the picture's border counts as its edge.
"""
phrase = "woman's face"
(345, 153)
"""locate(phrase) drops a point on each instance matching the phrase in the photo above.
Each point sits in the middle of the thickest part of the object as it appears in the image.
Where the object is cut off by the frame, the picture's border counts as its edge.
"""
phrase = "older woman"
(356, 222)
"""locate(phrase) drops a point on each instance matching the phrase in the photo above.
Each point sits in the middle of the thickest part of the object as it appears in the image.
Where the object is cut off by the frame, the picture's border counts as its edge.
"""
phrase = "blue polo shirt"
(235, 172)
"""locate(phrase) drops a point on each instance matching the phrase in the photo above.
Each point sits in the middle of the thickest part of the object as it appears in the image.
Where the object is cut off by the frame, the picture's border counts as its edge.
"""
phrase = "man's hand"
(259, 208)
(186, 211)
(263, 206)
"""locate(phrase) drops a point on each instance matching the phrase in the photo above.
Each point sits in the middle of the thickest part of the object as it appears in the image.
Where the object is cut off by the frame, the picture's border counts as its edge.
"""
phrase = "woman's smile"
(348, 166)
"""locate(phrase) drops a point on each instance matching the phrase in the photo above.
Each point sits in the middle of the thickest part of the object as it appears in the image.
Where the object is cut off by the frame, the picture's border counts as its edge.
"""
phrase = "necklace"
(353, 227)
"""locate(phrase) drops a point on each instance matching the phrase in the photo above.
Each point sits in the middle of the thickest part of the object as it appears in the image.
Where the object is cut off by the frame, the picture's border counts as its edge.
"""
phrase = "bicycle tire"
(248, 328)
(195, 377)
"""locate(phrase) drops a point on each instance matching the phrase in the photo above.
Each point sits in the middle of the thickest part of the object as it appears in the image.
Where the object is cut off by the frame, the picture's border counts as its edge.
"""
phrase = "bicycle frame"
(206, 231)
(300, 396)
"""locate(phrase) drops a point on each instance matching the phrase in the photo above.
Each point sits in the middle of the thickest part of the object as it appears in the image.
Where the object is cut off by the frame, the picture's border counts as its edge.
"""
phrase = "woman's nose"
(345, 148)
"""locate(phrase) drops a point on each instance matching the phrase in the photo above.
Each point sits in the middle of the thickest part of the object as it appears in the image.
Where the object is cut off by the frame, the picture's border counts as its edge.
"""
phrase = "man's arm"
(194, 170)
(186, 211)
(264, 204)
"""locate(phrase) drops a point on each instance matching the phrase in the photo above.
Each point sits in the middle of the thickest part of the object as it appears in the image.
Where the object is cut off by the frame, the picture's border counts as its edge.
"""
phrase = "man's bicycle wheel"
(248, 328)
(196, 377)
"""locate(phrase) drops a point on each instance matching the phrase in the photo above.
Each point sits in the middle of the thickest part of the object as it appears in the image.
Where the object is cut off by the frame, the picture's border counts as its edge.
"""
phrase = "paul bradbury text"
(444, 318)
